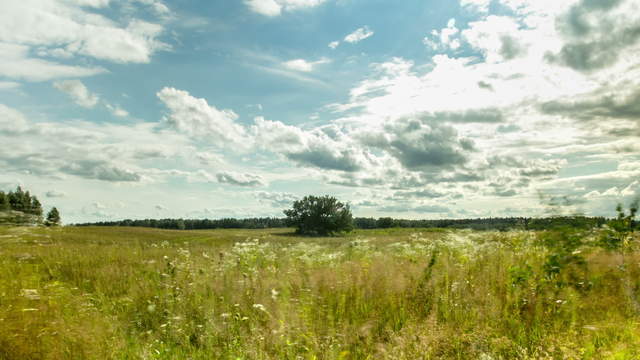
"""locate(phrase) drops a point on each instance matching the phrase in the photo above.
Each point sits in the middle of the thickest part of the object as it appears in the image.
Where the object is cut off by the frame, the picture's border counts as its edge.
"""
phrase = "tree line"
(197, 224)
(493, 223)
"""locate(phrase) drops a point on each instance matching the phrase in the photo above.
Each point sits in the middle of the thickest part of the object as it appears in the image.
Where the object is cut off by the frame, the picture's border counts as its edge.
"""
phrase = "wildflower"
(259, 307)
(274, 294)
(31, 294)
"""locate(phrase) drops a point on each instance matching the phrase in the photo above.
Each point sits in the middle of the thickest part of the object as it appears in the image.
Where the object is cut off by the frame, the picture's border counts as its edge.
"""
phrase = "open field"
(136, 293)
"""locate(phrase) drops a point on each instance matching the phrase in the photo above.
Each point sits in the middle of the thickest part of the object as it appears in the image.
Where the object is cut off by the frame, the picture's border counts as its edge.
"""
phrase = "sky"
(114, 109)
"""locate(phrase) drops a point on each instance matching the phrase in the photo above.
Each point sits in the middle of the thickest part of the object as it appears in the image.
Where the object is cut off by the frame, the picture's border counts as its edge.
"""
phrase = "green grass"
(135, 293)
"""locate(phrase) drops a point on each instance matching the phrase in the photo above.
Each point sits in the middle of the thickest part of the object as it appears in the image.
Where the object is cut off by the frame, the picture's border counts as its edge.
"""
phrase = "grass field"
(134, 293)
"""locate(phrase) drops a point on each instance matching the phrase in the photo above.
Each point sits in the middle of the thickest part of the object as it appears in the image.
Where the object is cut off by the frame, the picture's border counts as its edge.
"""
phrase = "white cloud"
(276, 7)
(359, 35)
(499, 38)
(116, 110)
(446, 38)
(264, 7)
(196, 118)
(304, 65)
(477, 5)
(334, 44)
(15, 63)
(65, 29)
(11, 120)
(8, 85)
(77, 92)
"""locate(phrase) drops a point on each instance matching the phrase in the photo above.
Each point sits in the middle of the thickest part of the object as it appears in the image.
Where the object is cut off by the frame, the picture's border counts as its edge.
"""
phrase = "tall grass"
(133, 293)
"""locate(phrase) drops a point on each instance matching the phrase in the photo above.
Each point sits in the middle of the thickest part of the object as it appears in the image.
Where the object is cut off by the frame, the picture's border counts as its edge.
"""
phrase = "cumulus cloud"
(314, 148)
(99, 170)
(194, 116)
(334, 44)
(421, 146)
(276, 7)
(233, 178)
(359, 35)
(71, 28)
(444, 39)
(597, 32)
(77, 92)
(497, 37)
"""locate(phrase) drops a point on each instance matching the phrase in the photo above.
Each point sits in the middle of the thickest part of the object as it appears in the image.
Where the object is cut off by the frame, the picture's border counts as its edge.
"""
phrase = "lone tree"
(319, 215)
(53, 218)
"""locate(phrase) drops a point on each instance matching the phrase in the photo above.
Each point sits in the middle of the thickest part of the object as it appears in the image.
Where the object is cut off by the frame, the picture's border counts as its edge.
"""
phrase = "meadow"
(137, 293)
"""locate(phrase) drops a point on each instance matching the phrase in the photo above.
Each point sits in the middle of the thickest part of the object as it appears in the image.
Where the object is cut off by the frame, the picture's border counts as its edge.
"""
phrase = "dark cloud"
(143, 154)
(424, 193)
(421, 146)
(485, 85)
(424, 209)
(247, 180)
(594, 45)
(510, 48)
(607, 106)
(324, 157)
(55, 194)
(99, 170)
(487, 115)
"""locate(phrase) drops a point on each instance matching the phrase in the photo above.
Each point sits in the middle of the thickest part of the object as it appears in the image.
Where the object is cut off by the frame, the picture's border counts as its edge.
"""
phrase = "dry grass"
(133, 293)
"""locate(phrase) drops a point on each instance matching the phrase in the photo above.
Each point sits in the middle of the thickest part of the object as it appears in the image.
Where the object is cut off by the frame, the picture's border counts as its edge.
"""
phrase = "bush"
(319, 215)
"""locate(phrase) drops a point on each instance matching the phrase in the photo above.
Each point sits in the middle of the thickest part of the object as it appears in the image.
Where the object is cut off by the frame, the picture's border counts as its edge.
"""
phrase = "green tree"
(4, 202)
(319, 215)
(53, 217)
(36, 207)
(16, 199)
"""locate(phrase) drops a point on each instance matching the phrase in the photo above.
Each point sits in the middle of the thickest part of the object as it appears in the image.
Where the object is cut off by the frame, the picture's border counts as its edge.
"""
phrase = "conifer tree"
(36, 207)
(4, 202)
(53, 217)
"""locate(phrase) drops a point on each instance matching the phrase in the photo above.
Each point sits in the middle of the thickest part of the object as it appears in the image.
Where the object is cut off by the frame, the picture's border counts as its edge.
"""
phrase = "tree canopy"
(320, 215)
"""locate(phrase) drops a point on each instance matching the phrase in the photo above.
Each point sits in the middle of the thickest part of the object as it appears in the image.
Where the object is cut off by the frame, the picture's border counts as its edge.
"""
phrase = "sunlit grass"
(135, 293)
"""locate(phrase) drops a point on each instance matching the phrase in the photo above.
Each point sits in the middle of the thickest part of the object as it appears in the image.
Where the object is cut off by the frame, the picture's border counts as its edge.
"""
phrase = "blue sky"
(417, 109)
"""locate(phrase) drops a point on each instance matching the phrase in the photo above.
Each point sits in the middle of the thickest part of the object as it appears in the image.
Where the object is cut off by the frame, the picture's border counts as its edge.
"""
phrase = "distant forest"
(369, 223)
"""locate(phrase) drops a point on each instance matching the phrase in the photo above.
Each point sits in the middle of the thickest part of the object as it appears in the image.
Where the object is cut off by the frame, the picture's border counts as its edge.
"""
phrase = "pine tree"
(15, 198)
(53, 217)
(36, 207)
(4, 202)
(25, 203)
